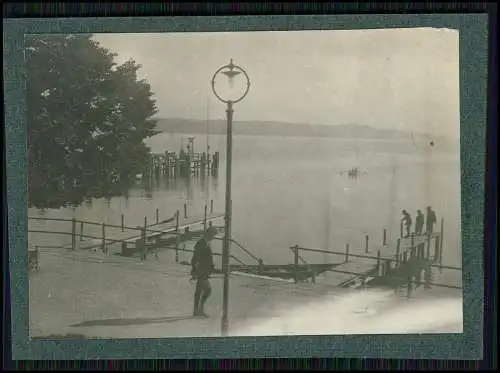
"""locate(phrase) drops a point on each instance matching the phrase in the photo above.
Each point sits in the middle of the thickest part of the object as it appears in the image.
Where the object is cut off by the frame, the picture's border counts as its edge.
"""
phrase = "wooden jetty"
(182, 164)
(406, 262)
(131, 240)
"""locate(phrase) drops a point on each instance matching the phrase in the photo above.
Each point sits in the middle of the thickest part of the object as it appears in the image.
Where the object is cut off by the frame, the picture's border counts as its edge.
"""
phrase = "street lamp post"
(229, 97)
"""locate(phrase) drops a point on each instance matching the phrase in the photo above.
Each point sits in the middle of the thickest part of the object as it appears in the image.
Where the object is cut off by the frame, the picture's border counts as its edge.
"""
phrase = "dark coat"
(202, 264)
(431, 218)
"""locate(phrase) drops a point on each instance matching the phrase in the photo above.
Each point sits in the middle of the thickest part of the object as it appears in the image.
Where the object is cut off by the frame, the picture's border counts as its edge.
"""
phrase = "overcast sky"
(393, 78)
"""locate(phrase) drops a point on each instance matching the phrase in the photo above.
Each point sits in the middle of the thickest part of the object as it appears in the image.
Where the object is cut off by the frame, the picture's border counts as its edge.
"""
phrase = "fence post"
(378, 262)
(212, 205)
(346, 252)
(177, 241)
(103, 244)
(123, 223)
(185, 211)
(205, 219)
(440, 256)
(296, 262)
(261, 265)
(441, 234)
(384, 240)
(157, 216)
(143, 241)
(410, 285)
(398, 252)
(73, 233)
(436, 248)
(81, 230)
(366, 243)
(427, 277)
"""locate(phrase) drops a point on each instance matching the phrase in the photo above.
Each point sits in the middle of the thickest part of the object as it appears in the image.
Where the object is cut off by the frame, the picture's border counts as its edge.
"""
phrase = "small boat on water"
(353, 172)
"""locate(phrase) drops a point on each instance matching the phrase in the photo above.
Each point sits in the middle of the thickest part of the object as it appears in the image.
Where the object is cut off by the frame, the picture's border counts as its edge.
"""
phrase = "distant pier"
(182, 164)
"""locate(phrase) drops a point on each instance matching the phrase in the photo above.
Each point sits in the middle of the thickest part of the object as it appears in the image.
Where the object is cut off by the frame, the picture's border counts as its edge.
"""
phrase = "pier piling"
(439, 244)
(378, 263)
(401, 229)
(142, 241)
(437, 250)
(211, 205)
(205, 219)
(296, 262)
(103, 244)
(366, 243)
(185, 211)
(346, 252)
(73, 234)
(398, 253)
(384, 237)
(81, 230)
(123, 222)
(157, 216)
(409, 290)
(427, 277)
(441, 233)
(177, 241)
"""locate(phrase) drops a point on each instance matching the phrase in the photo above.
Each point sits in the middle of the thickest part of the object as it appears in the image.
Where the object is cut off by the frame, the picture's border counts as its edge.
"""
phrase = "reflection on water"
(290, 191)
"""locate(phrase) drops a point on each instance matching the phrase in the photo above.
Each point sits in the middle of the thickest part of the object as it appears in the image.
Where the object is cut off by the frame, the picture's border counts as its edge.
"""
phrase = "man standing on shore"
(202, 267)
(431, 220)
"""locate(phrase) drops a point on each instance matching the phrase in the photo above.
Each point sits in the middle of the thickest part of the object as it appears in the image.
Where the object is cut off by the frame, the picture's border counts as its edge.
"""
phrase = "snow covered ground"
(101, 296)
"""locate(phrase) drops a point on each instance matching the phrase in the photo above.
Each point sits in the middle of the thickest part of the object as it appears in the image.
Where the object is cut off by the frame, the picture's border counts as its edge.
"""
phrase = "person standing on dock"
(202, 267)
(431, 220)
(419, 223)
(407, 222)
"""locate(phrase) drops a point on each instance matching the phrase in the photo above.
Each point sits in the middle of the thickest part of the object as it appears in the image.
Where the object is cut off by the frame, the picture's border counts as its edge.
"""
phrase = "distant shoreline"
(285, 136)
(292, 130)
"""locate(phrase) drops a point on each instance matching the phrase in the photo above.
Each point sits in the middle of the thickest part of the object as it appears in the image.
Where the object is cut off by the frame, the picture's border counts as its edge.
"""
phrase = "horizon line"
(313, 125)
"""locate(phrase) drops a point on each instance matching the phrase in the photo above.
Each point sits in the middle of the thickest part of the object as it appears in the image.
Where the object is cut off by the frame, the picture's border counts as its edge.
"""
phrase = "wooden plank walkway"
(375, 260)
(116, 236)
(183, 224)
(395, 251)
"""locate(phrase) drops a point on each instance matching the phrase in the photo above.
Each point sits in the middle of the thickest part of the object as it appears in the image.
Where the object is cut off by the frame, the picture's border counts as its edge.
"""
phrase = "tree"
(87, 118)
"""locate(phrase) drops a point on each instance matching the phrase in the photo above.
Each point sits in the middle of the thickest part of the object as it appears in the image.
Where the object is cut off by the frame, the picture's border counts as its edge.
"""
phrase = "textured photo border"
(473, 46)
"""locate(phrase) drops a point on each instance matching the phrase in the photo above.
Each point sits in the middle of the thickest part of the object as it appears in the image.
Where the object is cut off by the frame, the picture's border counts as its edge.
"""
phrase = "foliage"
(87, 118)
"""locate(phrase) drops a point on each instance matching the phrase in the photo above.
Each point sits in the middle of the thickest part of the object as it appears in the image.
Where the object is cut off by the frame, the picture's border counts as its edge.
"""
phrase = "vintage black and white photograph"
(244, 183)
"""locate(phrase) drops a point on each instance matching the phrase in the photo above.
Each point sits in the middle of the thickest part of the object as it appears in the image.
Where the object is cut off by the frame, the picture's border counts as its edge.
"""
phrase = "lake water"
(290, 191)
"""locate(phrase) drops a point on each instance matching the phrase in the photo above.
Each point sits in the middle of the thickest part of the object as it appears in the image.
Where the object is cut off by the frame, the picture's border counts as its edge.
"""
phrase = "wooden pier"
(406, 262)
(182, 164)
(131, 240)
